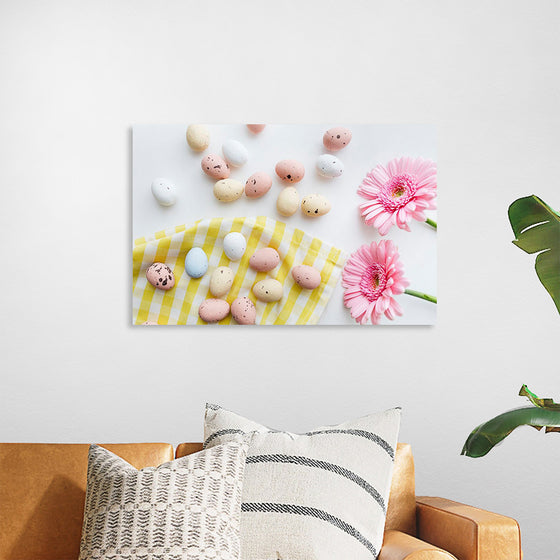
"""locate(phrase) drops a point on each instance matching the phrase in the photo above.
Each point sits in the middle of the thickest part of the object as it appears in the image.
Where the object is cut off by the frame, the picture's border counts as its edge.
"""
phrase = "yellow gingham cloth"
(179, 306)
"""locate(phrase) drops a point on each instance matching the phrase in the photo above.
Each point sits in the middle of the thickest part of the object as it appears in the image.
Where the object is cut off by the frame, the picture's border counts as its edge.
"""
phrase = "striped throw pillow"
(321, 495)
(187, 509)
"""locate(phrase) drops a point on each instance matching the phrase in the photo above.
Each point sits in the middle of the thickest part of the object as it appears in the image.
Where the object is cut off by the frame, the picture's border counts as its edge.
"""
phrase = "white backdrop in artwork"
(162, 151)
(77, 75)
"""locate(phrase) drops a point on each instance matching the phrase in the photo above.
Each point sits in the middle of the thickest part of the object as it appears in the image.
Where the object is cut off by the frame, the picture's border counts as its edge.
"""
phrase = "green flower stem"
(431, 223)
(421, 295)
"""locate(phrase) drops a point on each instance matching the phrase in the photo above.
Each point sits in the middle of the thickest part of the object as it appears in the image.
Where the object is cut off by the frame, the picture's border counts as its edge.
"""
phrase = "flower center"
(398, 191)
(373, 282)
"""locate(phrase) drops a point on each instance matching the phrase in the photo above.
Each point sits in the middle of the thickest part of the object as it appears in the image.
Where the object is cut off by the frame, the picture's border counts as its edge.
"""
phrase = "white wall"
(77, 75)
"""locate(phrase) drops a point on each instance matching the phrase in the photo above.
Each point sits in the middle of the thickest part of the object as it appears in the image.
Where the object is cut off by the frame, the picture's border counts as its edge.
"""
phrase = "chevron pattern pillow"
(321, 495)
(187, 509)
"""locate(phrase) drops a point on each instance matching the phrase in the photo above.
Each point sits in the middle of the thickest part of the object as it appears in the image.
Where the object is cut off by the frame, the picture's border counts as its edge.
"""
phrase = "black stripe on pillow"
(315, 463)
(360, 433)
(311, 512)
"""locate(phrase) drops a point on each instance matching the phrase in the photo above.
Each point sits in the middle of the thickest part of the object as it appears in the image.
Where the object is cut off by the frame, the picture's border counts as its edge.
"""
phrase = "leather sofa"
(42, 492)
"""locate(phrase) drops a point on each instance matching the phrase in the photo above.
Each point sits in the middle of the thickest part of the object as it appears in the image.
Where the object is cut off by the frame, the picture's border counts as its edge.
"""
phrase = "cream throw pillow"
(187, 509)
(321, 495)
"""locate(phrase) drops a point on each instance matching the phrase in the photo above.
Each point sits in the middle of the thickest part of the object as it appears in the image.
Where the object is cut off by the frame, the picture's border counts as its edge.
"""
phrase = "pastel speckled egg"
(213, 310)
(214, 166)
(306, 276)
(164, 191)
(256, 128)
(228, 190)
(160, 276)
(243, 311)
(221, 281)
(234, 245)
(196, 263)
(336, 138)
(235, 152)
(258, 184)
(264, 260)
(268, 290)
(198, 137)
(290, 170)
(314, 205)
(329, 166)
(287, 202)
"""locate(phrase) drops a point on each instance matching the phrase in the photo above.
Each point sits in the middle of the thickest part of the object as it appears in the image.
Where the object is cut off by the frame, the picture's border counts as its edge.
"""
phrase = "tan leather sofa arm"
(467, 532)
(401, 546)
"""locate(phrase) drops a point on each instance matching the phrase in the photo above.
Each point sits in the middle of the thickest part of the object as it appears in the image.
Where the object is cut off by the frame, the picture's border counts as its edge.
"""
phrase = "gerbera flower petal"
(396, 191)
(371, 277)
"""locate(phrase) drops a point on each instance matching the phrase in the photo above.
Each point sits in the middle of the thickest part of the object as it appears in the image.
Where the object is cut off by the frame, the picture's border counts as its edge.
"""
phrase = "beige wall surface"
(77, 75)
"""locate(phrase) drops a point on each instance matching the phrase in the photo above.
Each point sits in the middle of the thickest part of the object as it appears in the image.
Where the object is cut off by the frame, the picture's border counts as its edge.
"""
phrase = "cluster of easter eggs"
(289, 171)
(242, 309)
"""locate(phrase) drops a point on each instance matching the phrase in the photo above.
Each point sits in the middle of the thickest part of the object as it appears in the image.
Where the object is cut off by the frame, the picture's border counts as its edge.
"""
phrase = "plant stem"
(421, 295)
(431, 223)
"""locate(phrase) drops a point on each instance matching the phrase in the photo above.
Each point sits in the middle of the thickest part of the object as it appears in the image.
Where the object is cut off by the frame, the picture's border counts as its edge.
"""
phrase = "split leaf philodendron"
(543, 413)
(537, 230)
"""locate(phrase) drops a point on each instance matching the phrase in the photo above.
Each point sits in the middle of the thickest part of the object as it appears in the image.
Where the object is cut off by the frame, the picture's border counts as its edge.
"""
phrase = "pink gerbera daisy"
(371, 277)
(396, 193)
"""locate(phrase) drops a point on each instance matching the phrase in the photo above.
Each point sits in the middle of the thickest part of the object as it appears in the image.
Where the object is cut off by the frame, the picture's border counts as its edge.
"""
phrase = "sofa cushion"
(186, 509)
(322, 494)
(42, 492)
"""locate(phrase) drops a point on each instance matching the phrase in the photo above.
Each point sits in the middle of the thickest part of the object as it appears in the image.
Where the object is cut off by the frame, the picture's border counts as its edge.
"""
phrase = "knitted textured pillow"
(321, 495)
(187, 509)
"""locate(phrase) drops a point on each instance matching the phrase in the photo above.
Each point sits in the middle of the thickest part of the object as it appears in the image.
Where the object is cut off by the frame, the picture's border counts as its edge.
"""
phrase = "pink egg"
(306, 276)
(215, 167)
(264, 260)
(258, 184)
(290, 170)
(337, 138)
(213, 310)
(160, 276)
(243, 311)
(256, 128)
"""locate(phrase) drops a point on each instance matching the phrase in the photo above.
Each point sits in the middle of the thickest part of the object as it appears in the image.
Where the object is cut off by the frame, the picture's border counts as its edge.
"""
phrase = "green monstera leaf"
(544, 413)
(536, 227)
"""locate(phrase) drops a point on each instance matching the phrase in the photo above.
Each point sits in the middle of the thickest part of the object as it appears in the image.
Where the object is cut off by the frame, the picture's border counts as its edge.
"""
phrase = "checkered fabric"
(179, 306)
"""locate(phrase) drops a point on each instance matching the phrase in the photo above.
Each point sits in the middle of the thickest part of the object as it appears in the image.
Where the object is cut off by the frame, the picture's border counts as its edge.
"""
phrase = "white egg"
(235, 152)
(234, 246)
(329, 166)
(164, 191)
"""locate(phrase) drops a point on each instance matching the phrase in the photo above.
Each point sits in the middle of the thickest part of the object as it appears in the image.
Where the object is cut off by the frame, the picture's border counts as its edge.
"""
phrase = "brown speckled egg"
(243, 311)
(337, 138)
(213, 310)
(215, 167)
(264, 260)
(306, 276)
(160, 276)
(314, 205)
(290, 170)
(258, 184)
(256, 128)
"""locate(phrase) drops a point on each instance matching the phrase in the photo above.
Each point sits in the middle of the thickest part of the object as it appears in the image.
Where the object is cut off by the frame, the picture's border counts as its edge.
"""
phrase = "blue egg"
(196, 263)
